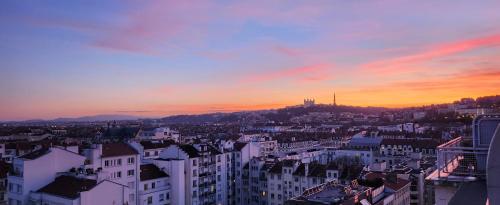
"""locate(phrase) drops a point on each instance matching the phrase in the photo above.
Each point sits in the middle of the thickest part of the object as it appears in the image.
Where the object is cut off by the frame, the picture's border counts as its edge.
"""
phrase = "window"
(131, 197)
(19, 189)
(194, 162)
(146, 154)
(168, 196)
(130, 172)
(156, 153)
(194, 183)
(106, 163)
(131, 185)
(194, 172)
(119, 162)
(145, 187)
(153, 185)
(162, 197)
(150, 199)
(131, 160)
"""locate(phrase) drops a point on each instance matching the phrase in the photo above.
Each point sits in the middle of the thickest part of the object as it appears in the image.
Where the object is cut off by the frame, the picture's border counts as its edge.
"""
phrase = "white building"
(117, 162)
(391, 128)
(154, 186)
(161, 133)
(37, 169)
(150, 149)
(365, 155)
(290, 178)
(200, 165)
(175, 168)
(70, 190)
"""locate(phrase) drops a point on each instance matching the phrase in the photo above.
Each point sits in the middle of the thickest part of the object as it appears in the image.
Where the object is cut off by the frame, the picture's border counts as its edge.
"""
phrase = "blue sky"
(73, 58)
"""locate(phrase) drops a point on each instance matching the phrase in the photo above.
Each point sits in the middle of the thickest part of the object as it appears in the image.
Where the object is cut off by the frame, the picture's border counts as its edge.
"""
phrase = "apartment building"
(34, 170)
(4, 170)
(160, 133)
(154, 186)
(117, 162)
(397, 187)
(255, 190)
(200, 163)
(150, 149)
(70, 190)
(365, 155)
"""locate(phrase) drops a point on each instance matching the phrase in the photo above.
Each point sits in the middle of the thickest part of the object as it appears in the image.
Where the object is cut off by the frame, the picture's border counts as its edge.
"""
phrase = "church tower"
(334, 100)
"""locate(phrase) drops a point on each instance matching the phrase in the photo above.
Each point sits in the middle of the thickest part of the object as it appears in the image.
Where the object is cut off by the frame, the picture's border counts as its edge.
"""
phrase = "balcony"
(458, 160)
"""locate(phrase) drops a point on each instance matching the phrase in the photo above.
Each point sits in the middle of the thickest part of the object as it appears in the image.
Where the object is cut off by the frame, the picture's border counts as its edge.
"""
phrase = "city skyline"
(80, 58)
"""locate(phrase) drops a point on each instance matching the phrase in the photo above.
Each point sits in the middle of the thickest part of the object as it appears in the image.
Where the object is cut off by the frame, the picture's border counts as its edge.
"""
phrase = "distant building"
(334, 193)
(309, 102)
(161, 133)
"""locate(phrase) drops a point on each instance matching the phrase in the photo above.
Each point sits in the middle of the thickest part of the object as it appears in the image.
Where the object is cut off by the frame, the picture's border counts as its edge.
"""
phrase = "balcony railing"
(457, 158)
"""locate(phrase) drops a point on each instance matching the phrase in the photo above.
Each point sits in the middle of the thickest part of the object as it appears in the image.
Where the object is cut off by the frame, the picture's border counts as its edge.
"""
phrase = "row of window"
(118, 174)
(162, 197)
(118, 162)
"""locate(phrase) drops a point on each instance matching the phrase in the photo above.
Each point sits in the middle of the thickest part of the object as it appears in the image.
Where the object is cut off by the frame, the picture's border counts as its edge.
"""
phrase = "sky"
(159, 58)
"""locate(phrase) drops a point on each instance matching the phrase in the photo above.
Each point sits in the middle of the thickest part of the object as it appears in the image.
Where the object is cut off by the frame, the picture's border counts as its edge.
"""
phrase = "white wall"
(105, 192)
(41, 171)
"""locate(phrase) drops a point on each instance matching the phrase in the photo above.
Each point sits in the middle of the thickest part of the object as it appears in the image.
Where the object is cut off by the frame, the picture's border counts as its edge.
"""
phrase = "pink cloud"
(313, 73)
(275, 11)
(406, 63)
(287, 51)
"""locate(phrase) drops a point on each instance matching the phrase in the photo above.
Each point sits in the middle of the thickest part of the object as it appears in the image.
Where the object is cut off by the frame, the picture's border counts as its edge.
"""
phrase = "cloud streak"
(433, 52)
(312, 73)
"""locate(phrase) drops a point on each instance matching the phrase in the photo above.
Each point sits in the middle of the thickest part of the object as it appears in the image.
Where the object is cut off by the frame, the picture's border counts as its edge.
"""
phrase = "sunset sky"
(156, 58)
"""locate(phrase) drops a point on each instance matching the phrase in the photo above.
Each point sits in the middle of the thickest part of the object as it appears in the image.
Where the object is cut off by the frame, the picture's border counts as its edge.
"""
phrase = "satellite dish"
(493, 169)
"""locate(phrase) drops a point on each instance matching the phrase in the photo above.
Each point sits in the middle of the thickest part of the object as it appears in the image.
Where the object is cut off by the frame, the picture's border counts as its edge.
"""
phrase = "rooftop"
(418, 143)
(117, 149)
(68, 186)
(36, 154)
(155, 145)
(151, 171)
(191, 151)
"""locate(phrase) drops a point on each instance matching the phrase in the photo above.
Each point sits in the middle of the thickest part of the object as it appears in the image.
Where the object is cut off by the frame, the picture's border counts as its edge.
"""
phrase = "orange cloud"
(470, 83)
